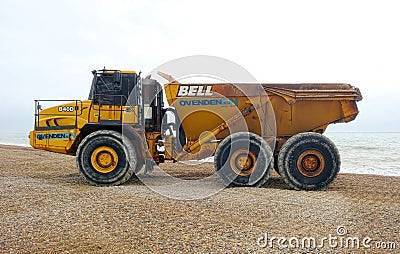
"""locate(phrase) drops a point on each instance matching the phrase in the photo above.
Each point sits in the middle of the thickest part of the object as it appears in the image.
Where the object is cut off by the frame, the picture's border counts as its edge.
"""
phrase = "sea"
(361, 153)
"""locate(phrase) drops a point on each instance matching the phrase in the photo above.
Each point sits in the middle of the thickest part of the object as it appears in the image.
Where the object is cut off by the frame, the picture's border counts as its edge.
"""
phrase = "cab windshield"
(106, 90)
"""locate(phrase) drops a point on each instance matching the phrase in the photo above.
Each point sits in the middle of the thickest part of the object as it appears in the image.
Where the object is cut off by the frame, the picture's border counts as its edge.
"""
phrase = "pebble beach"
(46, 206)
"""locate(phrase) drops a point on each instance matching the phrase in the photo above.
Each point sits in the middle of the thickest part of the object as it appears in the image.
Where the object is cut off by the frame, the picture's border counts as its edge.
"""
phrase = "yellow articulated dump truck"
(250, 129)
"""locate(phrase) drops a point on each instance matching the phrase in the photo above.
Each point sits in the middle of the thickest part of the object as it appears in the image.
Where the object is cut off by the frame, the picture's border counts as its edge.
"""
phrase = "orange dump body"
(311, 107)
(296, 107)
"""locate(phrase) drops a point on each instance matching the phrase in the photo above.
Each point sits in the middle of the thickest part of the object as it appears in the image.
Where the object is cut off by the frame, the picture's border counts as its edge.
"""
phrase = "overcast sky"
(48, 48)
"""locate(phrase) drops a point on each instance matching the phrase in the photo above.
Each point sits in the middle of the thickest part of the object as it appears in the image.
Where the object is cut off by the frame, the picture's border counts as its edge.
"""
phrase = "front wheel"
(308, 161)
(104, 160)
(243, 159)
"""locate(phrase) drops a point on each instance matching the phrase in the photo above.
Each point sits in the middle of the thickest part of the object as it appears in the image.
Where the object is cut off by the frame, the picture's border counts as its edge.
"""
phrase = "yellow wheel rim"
(243, 162)
(311, 163)
(104, 159)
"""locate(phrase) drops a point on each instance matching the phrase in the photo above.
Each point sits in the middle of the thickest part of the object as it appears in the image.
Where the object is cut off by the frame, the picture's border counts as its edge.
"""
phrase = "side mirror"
(117, 77)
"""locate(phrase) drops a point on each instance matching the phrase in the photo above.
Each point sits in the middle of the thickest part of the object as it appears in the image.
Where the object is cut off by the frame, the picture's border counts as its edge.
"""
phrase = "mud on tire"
(308, 161)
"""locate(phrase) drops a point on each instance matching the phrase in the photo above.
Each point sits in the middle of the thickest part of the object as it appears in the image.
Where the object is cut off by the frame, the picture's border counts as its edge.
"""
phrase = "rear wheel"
(244, 159)
(104, 160)
(308, 161)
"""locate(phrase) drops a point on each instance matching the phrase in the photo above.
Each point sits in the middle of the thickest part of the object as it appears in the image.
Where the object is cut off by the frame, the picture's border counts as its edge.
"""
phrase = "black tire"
(257, 156)
(139, 166)
(131, 138)
(122, 166)
(309, 161)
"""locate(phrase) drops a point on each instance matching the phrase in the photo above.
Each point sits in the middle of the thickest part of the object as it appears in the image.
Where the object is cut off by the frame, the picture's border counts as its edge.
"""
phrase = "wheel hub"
(104, 159)
(243, 162)
(311, 163)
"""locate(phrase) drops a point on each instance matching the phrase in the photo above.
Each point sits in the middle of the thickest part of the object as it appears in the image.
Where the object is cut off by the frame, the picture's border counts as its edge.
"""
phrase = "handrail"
(100, 108)
(117, 107)
(38, 114)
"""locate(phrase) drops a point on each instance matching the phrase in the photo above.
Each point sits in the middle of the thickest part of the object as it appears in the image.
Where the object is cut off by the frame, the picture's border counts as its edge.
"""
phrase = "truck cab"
(118, 101)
